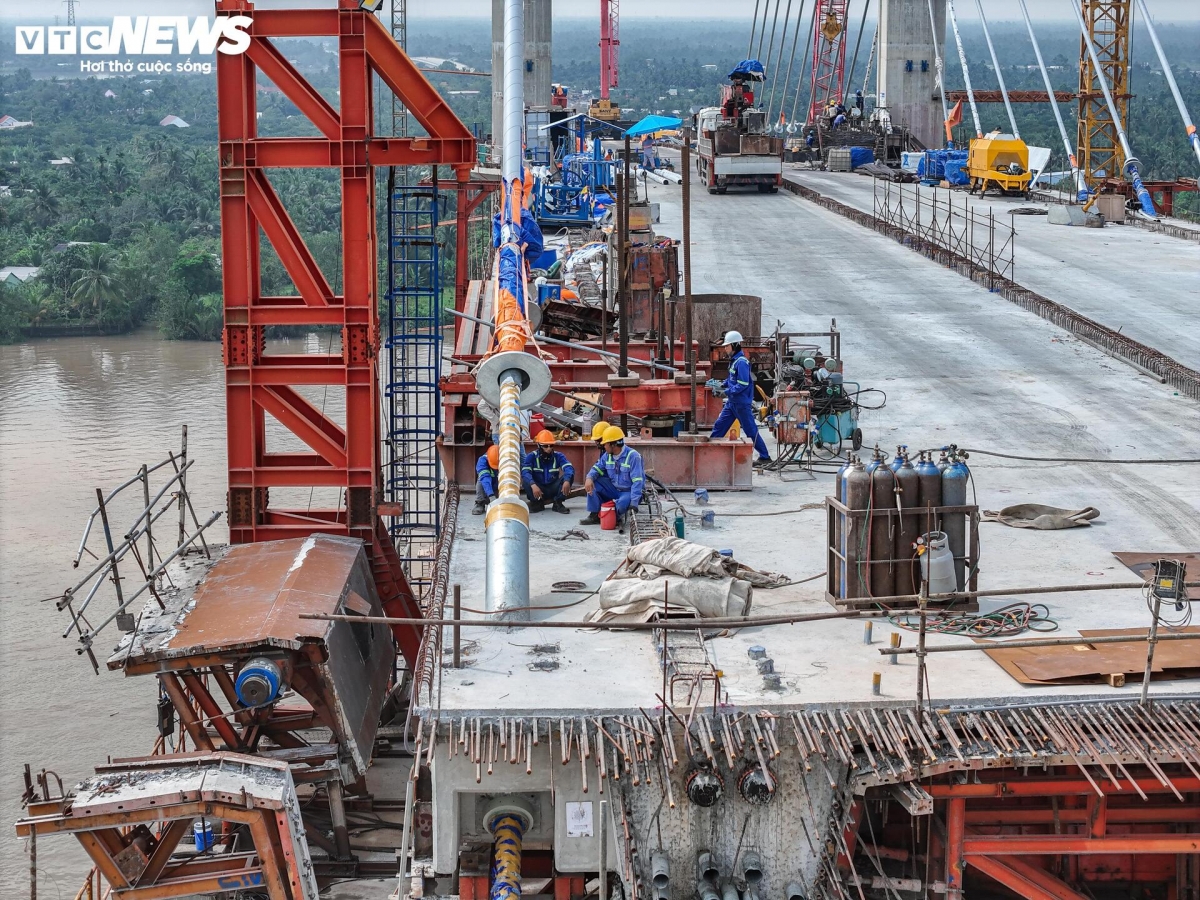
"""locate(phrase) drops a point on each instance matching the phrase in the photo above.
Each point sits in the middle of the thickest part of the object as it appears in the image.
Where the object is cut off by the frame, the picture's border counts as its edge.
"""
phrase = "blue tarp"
(947, 165)
(651, 124)
(750, 68)
(860, 156)
(510, 263)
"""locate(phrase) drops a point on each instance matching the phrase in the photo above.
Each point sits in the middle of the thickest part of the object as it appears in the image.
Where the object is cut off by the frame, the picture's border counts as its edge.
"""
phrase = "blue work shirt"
(486, 476)
(739, 386)
(543, 470)
(625, 472)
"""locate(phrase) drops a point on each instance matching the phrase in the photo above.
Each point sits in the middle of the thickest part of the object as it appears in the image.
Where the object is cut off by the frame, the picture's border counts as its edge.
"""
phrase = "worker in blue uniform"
(617, 476)
(739, 391)
(487, 477)
(547, 475)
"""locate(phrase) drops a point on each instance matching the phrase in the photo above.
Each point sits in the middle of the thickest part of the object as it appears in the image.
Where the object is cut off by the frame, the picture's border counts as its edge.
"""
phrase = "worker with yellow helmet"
(617, 476)
(547, 475)
(487, 478)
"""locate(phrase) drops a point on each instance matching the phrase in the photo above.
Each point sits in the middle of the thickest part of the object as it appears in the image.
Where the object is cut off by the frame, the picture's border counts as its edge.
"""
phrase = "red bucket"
(608, 516)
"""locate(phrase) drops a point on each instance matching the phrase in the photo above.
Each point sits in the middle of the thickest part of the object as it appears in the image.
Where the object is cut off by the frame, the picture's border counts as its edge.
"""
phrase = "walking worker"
(487, 475)
(739, 391)
(648, 153)
(617, 476)
(547, 475)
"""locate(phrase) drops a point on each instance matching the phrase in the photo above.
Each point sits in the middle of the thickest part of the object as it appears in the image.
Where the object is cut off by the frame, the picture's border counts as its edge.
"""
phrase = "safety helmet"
(732, 337)
(545, 438)
(598, 430)
(612, 434)
(493, 455)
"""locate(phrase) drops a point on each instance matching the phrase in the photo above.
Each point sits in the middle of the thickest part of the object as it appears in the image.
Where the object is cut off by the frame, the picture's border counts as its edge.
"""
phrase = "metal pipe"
(507, 520)
(987, 34)
(1041, 642)
(508, 831)
(1080, 183)
(542, 339)
(1192, 137)
(688, 624)
(962, 58)
(689, 306)
(939, 66)
(1131, 162)
(514, 89)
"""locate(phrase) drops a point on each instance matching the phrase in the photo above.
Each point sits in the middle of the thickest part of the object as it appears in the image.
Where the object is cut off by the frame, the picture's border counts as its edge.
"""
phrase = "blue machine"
(580, 192)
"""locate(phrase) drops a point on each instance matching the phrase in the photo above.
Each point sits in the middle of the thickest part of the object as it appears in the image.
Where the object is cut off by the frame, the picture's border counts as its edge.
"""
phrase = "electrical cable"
(1075, 459)
(1016, 618)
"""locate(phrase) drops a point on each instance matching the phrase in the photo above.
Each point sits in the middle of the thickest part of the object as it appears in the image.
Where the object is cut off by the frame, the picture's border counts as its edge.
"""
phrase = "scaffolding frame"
(412, 392)
(1099, 148)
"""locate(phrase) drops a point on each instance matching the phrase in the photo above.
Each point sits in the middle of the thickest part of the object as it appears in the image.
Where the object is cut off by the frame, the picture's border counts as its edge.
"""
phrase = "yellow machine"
(999, 161)
(605, 110)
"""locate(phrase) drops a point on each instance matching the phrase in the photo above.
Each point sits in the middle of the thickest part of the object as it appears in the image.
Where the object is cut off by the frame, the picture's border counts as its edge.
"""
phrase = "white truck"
(737, 151)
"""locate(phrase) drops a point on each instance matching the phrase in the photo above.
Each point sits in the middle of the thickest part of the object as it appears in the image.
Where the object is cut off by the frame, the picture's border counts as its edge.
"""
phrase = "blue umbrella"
(651, 124)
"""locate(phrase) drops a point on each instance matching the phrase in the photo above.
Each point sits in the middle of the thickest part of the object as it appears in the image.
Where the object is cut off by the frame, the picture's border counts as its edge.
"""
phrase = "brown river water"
(77, 414)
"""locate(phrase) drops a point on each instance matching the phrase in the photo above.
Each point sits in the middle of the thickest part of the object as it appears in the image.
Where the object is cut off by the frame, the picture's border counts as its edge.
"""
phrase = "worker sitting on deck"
(648, 153)
(547, 475)
(618, 476)
(487, 475)
(739, 391)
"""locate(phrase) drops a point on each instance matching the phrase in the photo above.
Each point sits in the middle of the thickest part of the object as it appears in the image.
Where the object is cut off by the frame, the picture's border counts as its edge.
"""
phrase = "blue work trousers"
(605, 491)
(744, 413)
(550, 492)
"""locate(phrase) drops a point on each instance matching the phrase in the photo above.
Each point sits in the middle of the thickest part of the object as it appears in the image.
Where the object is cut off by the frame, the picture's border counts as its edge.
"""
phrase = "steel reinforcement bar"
(1184, 379)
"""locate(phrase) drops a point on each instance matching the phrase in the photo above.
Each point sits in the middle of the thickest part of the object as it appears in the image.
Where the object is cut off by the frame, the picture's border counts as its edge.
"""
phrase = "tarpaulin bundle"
(860, 156)
(749, 68)
(517, 238)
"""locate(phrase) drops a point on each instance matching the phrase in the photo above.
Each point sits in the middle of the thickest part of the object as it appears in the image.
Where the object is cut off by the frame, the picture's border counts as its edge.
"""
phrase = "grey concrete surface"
(958, 365)
(1143, 284)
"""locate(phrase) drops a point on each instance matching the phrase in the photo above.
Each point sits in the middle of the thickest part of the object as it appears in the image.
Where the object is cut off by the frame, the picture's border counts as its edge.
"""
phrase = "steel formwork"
(1099, 149)
(345, 458)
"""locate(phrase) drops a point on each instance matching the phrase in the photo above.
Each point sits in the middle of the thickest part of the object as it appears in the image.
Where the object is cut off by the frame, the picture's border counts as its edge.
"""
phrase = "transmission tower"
(399, 27)
(1108, 24)
(70, 4)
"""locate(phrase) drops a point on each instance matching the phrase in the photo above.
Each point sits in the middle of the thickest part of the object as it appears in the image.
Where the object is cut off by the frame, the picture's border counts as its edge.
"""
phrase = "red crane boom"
(610, 45)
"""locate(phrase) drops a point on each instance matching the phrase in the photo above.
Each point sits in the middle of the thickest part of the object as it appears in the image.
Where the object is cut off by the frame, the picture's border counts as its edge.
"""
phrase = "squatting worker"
(618, 476)
(487, 476)
(739, 391)
(547, 475)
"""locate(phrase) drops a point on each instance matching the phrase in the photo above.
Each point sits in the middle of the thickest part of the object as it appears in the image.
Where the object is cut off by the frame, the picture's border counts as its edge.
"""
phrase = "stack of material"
(697, 580)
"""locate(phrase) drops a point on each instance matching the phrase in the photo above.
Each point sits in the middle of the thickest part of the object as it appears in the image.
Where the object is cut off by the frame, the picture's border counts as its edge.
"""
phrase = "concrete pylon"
(908, 52)
(538, 47)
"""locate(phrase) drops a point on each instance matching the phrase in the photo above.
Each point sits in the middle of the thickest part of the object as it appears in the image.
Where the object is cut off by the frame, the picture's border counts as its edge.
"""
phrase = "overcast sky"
(997, 10)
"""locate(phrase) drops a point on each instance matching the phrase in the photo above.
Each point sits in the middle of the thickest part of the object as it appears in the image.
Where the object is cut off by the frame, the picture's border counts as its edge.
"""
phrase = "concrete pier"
(908, 50)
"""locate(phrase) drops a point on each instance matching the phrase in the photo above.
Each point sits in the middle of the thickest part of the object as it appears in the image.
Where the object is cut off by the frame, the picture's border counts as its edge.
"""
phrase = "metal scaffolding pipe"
(1080, 182)
(1192, 137)
(514, 89)
(987, 34)
(1131, 162)
(962, 59)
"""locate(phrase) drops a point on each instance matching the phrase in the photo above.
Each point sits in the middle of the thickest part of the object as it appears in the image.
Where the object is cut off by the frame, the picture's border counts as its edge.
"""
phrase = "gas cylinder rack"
(882, 512)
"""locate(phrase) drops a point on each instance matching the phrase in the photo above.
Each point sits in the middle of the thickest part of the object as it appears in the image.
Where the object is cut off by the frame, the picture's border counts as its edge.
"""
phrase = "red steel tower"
(828, 56)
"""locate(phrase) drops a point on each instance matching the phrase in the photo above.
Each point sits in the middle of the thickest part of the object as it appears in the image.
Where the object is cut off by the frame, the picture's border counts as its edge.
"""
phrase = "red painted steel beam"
(1120, 815)
(281, 231)
(1049, 787)
(956, 820)
(308, 99)
(1025, 880)
(1075, 845)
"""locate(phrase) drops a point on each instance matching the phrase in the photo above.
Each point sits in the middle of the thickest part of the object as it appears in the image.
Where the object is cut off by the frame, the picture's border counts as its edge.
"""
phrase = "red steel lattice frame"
(828, 57)
(257, 383)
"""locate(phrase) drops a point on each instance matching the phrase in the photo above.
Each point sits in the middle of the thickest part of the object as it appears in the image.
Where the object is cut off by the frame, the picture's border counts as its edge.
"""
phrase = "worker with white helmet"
(739, 392)
(617, 476)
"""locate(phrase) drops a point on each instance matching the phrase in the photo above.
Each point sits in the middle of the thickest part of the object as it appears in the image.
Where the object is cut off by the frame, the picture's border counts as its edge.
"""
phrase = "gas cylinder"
(954, 493)
(906, 535)
(898, 460)
(943, 462)
(883, 530)
(856, 494)
(929, 493)
(839, 531)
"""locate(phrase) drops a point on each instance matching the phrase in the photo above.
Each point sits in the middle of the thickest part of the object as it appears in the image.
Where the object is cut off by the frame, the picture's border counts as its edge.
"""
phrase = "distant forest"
(128, 231)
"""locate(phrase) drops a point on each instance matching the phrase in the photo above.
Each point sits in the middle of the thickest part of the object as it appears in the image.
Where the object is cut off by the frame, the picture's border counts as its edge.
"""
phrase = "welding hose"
(506, 861)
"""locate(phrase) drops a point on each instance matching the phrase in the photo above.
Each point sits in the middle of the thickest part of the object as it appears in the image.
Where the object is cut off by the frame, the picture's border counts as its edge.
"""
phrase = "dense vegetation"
(129, 232)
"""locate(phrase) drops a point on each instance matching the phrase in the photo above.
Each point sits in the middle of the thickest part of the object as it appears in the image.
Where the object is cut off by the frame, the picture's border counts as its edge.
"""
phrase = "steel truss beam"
(258, 384)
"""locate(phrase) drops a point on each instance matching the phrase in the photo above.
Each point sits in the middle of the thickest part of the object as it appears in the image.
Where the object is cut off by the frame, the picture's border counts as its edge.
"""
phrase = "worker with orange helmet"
(618, 476)
(547, 475)
(487, 474)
